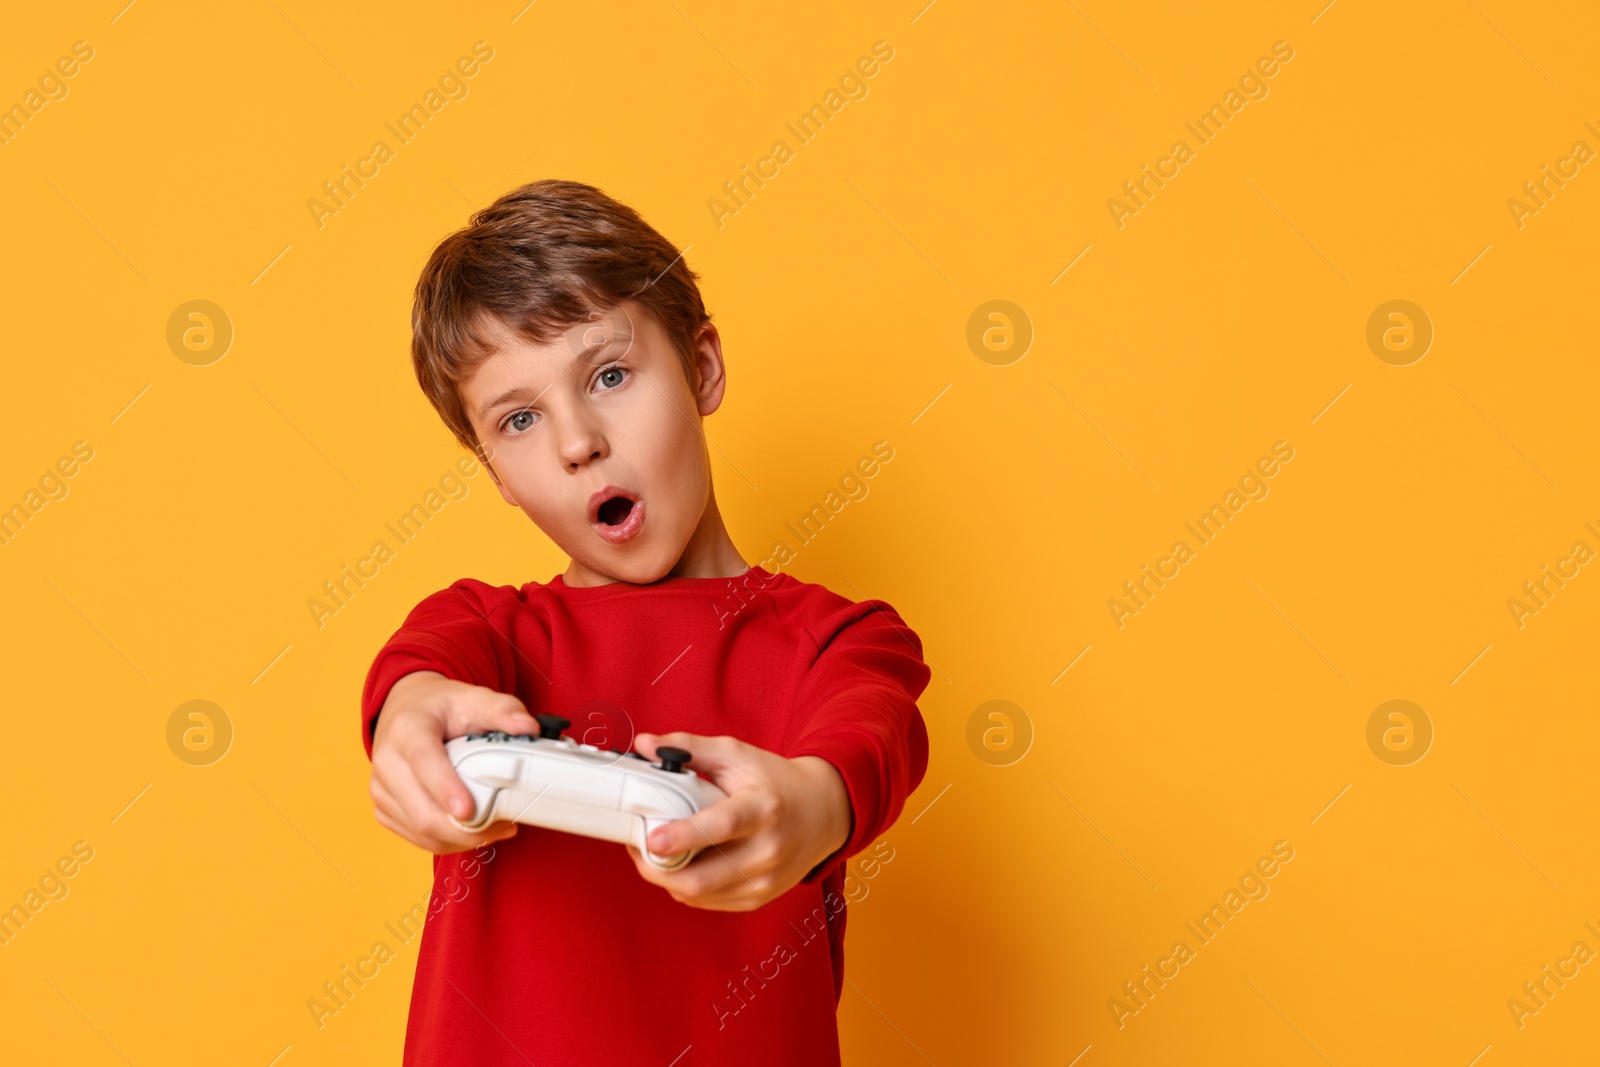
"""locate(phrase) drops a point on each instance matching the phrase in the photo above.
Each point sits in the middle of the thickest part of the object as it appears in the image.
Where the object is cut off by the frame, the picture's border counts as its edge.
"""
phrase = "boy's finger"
(462, 840)
(487, 711)
(409, 802)
(434, 827)
(439, 778)
(415, 832)
(397, 828)
(710, 753)
(713, 880)
(645, 743)
(420, 813)
(725, 820)
(383, 801)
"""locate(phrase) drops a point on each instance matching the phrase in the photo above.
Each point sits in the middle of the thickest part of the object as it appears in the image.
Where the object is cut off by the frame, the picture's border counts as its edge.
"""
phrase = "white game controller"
(559, 784)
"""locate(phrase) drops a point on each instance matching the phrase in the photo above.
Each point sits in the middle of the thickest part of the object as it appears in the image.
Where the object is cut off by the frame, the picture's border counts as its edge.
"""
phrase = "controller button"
(673, 759)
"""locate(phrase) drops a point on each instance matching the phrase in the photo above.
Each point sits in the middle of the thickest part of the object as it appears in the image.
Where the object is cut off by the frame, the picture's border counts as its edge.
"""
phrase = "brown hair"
(541, 259)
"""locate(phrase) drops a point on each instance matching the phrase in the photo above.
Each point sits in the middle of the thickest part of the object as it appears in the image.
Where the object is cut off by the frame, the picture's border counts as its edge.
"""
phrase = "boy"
(565, 343)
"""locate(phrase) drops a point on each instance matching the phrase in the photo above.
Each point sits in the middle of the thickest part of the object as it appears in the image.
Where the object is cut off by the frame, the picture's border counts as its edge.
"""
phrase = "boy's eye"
(612, 377)
(513, 422)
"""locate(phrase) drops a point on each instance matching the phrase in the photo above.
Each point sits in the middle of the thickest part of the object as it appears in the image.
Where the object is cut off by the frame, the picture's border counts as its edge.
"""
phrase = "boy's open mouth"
(616, 513)
(613, 511)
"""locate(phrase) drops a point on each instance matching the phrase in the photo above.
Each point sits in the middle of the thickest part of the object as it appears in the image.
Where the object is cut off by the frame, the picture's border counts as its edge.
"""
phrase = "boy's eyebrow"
(522, 391)
(518, 393)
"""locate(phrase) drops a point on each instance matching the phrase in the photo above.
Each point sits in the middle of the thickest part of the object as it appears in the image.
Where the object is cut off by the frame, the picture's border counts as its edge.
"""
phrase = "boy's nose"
(581, 445)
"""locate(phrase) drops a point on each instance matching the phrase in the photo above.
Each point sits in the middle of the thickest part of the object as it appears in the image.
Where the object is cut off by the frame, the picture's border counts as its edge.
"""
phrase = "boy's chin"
(634, 572)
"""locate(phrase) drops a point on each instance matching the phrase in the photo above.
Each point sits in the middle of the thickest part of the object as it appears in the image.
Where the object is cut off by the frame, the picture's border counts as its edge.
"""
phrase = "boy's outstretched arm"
(449, 670)
(856, 749)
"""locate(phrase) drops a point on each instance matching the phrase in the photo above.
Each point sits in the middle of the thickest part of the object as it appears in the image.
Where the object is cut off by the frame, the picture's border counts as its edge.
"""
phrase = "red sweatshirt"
(552, 950)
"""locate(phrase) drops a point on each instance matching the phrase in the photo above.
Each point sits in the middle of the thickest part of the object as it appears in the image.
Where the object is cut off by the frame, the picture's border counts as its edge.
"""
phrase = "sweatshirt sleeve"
(856, 707)
(454, 632)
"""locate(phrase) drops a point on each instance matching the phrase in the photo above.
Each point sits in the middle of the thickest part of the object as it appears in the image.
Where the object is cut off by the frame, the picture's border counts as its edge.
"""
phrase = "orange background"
(1228, 314)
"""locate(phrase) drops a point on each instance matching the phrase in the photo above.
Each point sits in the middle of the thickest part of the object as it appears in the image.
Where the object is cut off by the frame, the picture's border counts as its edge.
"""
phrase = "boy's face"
(596, 437)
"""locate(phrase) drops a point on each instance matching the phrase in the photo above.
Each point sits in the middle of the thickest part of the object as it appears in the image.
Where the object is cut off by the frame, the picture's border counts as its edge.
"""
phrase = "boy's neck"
(710, 553)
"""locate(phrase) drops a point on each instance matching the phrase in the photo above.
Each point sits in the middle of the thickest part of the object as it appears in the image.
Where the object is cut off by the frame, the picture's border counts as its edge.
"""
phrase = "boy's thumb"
(502, 711)
(516, 720)
(708, 753)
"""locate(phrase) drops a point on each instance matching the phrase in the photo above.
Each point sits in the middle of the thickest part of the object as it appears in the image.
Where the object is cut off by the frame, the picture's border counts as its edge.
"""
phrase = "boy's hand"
(415, 790)
(781, 818)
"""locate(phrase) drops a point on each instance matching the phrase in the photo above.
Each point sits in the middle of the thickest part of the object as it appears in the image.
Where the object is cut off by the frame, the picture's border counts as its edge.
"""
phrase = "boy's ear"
(710, 370)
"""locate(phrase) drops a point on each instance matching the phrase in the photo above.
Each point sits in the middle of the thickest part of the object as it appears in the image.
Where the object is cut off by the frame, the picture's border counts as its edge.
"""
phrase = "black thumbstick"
(550, 726)
(672, 759)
